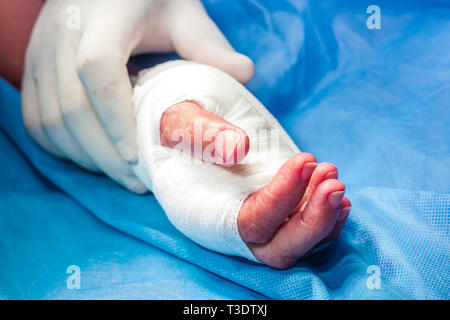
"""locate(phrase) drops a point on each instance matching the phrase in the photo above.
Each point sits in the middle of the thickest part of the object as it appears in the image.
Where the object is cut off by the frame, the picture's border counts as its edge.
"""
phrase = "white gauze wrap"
(202, 200)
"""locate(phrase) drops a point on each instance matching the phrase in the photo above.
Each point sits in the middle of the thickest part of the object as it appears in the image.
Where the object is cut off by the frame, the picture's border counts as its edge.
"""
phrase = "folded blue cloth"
(373, 102)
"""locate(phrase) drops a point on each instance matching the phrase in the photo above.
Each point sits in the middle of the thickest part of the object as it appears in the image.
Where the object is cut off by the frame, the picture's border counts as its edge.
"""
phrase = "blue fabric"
(374, 102)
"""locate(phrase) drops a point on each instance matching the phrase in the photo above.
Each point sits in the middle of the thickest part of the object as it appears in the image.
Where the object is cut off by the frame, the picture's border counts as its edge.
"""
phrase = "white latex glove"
(76, 92)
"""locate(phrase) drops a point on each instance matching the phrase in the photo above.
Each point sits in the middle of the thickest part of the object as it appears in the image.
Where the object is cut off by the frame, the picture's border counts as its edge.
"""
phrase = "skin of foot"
(302, 208)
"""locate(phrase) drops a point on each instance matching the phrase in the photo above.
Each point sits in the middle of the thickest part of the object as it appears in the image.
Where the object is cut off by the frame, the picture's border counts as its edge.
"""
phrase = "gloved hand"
(76, 92)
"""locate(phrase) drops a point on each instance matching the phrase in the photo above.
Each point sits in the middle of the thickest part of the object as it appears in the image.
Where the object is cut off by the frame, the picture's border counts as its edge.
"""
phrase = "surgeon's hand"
(76, 93)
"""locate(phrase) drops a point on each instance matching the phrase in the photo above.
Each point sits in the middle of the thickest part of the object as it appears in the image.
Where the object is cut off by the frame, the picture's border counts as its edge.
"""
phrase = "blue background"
(374, 102)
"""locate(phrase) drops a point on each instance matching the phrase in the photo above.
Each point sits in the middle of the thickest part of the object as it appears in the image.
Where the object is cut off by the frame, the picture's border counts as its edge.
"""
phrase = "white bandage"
(201, 199)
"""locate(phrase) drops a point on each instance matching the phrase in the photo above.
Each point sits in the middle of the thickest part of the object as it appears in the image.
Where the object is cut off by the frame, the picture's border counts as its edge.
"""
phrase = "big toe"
(321, 212)
(204, 135)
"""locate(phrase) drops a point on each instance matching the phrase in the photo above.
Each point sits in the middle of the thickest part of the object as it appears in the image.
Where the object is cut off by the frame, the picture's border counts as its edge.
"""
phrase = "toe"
(304, 230)
(204, 135)
(321, 211)
(324, 171)
(344, 210)
(265, 210)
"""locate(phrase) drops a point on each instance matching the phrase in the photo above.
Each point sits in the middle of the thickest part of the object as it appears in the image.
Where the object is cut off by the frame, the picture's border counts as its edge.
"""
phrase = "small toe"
(265, 210)
(344, 211)
(304, 230)
(324, 171)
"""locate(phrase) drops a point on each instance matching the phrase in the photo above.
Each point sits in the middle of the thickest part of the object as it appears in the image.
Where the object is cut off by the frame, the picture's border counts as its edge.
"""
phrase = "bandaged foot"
(226, 173)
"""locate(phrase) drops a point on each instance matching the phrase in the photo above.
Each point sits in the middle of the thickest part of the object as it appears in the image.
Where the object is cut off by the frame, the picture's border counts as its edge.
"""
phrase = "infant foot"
(302, 207)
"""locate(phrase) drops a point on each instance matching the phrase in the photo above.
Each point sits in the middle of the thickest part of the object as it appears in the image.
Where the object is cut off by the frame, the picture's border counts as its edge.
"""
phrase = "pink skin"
(188, 116)
(302, 207)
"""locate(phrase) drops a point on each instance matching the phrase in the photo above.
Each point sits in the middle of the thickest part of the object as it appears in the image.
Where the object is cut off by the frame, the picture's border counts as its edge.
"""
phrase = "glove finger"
(196, 37)
(31, 117)
(107, 84)
(52, 121)
(82, 122)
